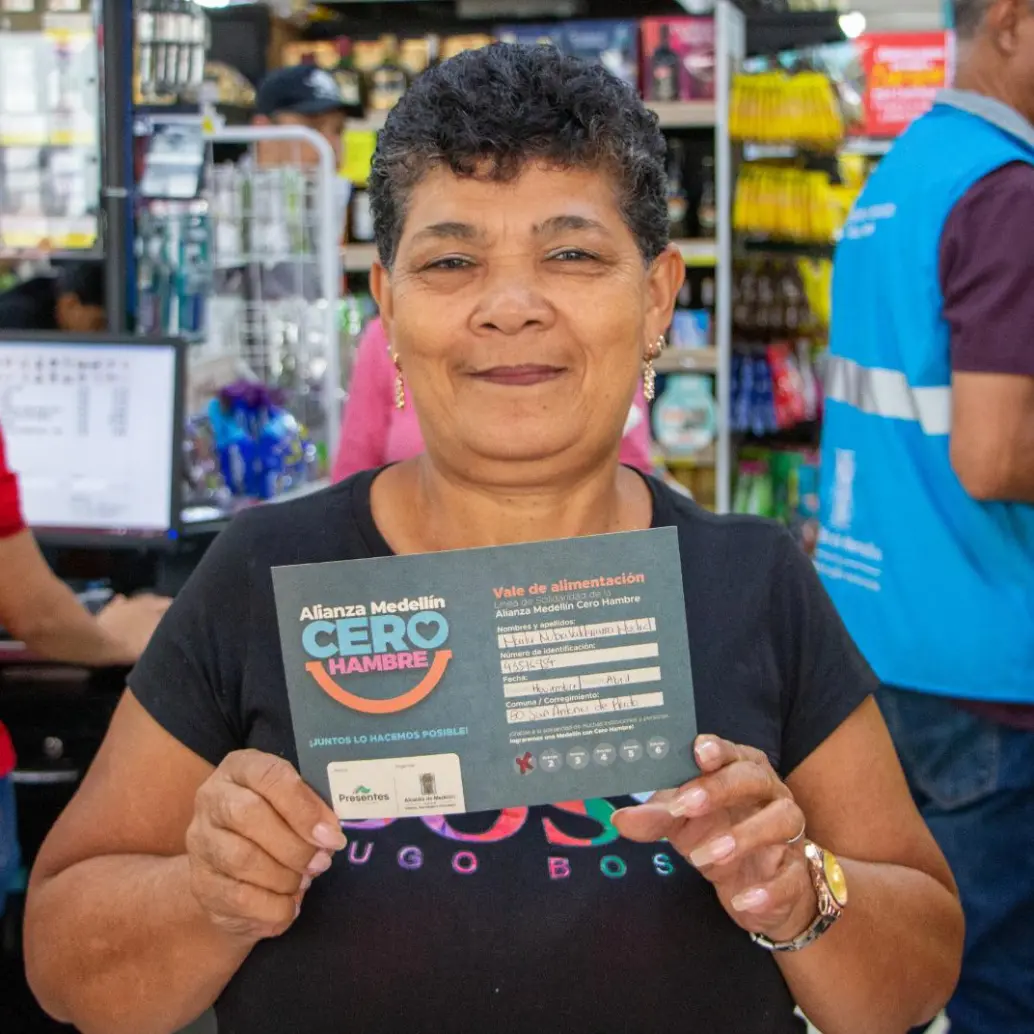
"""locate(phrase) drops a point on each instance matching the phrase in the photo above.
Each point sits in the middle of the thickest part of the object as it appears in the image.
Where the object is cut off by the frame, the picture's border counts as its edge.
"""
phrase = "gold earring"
(400, 387)
(649, 373)
(649, 380)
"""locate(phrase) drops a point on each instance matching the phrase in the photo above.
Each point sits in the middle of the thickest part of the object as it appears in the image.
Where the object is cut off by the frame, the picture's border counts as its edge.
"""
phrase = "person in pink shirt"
(374, 432)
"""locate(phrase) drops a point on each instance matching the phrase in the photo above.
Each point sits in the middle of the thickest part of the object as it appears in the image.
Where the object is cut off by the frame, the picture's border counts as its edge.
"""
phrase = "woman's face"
(521, 314)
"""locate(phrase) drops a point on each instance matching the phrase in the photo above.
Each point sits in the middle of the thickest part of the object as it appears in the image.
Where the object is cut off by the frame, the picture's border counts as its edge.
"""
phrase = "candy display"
(780, 107)
(789, 204)
(783, 485)
(773, 389)
(262, 450)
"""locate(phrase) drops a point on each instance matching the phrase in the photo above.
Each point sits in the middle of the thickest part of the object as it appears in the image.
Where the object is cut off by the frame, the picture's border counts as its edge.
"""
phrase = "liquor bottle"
(707, 209)
(665, 69)
(349, 81)
(360, 215)
(416, 55)
(678, 201)
(388, 82)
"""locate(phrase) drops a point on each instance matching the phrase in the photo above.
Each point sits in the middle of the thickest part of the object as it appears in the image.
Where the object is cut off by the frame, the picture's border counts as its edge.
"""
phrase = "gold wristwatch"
(830, 884)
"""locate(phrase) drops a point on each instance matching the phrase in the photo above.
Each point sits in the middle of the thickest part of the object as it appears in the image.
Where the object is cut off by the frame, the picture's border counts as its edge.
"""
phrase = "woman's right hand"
(131, 622)
(258, 838)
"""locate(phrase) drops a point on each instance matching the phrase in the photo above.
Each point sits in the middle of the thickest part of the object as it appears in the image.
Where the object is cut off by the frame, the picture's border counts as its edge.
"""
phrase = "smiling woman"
(524, 281)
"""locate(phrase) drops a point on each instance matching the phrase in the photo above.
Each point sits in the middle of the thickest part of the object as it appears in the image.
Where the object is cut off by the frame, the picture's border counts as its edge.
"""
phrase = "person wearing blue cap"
(302, 95)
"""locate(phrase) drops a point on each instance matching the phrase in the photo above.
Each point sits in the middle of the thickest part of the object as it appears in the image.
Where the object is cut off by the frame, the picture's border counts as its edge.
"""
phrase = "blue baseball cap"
(301, 90)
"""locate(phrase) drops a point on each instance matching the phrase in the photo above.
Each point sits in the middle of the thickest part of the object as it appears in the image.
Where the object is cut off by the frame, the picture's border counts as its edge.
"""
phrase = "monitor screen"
(93, 427)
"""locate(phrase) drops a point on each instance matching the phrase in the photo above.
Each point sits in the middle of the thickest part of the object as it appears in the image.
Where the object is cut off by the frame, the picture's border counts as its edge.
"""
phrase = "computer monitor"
(93, 426)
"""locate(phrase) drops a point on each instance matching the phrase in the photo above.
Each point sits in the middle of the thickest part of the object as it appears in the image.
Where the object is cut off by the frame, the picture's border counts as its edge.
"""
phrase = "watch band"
(831, 896)
(819, 926)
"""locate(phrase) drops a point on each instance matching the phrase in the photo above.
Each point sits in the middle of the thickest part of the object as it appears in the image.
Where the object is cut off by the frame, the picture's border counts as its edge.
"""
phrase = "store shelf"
(699, 252)
(50, 254)
(359, 258)
(866, 146)
(704, 458)
(203, 519)
(804, 249)
(685, 114)
(687, 360)
(672, 115)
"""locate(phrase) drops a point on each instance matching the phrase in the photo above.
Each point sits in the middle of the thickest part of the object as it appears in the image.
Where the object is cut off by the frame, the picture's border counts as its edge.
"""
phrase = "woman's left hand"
(735, 824)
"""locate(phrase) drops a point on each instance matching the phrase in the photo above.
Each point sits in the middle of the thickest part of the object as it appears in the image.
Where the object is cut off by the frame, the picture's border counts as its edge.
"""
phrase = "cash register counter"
(57, 716)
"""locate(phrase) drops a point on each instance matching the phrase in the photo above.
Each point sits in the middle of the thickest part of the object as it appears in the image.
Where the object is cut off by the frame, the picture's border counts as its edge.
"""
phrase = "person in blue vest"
(927, 533)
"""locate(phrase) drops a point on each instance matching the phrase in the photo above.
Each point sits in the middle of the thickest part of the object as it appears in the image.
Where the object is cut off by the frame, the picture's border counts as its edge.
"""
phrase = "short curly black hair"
(501, 106)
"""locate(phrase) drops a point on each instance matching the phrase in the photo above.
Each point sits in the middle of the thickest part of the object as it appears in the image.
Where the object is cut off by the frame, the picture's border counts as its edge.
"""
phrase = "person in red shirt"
(37, 608)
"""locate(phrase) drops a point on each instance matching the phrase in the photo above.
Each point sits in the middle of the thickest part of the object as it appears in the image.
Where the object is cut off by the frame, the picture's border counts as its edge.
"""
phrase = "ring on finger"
(800, 836)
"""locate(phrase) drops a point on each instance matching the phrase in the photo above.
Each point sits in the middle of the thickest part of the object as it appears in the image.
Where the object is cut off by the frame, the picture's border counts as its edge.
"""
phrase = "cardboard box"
(678, 59)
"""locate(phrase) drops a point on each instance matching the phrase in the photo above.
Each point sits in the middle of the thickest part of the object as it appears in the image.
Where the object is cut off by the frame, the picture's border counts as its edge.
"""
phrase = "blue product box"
(613, 43)
(531, 33)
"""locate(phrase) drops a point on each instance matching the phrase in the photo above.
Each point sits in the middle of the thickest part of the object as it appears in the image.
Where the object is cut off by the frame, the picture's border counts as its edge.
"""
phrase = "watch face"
(835, 878)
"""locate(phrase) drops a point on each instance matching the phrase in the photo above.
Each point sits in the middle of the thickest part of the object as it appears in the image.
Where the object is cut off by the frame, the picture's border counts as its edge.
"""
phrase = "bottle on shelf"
(417, 55)
(388, 82)
(707, 209)
(347, 76)
(665, 70)
(360, 215)
(678, 201)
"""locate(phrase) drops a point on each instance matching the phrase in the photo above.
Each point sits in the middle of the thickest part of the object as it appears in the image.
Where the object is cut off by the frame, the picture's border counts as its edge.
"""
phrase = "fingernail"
(305, 884)
(750, 900)
(329, 836)
(713, 851)
(707, 750)
(691, 801)
(297, 909)
(320, 863)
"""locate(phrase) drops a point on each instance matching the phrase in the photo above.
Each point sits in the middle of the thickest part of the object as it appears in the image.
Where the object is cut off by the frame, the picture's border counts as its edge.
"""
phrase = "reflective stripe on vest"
(887, 393)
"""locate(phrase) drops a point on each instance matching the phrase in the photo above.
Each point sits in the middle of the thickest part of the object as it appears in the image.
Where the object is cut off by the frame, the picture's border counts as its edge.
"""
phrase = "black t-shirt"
(531, 919)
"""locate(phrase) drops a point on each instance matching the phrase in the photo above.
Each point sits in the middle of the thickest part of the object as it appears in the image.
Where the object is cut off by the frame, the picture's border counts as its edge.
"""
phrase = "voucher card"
(475, 680)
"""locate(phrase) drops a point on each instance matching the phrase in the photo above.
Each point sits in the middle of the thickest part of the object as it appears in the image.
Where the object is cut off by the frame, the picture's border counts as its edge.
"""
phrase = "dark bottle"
(360, 216)
(388, 82)
(707, 210)
(349, 81)
(665, 70)
(678, 200)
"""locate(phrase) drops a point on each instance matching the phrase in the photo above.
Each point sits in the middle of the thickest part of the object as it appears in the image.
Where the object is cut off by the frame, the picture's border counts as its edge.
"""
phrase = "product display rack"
(50, 131)
(776, 470)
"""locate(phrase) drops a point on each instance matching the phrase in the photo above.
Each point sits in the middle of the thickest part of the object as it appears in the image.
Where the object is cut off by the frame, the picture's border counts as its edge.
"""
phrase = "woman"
(375, 430)
(524, 280)
(39, 609)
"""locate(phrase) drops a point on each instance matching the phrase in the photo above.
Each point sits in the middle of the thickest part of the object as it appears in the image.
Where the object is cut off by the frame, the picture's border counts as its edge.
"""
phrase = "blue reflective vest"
(935, 587)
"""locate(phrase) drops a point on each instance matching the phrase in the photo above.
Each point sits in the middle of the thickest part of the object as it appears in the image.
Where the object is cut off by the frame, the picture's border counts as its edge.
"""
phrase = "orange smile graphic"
(393, 705)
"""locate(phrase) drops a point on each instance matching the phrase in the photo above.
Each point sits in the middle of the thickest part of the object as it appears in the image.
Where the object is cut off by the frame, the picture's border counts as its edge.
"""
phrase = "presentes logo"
(362, 795)
(386, 637)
